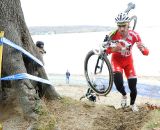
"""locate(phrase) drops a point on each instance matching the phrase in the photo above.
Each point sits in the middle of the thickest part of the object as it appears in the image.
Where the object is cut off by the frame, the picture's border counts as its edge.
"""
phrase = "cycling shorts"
(120, 64)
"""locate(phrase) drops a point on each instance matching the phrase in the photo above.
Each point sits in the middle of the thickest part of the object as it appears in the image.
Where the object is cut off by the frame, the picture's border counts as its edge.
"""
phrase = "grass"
(46, 120)
(154, 121)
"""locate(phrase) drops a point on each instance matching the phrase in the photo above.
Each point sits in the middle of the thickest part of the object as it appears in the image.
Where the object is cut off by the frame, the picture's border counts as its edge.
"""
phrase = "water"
(75, 80)
(148, 90)
(68, 51)
(144, 89)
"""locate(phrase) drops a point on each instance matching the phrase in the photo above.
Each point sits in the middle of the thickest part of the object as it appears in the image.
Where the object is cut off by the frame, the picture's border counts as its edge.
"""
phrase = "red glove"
(145, 51)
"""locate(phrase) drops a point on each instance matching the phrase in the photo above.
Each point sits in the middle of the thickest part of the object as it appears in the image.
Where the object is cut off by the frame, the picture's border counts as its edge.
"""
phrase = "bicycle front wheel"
(98, 73)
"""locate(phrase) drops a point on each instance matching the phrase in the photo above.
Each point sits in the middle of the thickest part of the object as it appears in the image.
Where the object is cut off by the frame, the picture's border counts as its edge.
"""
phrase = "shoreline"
(112, 99)
(151, 80)
(147, 86)
(139, 76)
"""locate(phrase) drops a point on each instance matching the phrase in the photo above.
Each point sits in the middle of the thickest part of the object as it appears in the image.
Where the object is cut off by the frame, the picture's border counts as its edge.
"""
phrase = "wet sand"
(113, 98)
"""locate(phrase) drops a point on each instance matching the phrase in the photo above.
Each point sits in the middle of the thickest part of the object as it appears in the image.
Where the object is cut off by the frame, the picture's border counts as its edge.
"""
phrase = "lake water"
(68, 51)
(149, 89)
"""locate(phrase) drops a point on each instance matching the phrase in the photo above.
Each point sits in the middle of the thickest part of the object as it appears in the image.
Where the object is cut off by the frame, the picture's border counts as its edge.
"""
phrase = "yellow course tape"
(1, 51)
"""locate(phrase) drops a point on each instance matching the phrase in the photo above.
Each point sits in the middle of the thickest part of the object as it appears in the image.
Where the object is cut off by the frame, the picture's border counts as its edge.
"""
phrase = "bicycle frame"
(97, 64)
(129, 8)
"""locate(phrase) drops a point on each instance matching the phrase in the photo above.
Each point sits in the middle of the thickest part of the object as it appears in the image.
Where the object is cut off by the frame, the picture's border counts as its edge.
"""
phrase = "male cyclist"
(122, 60)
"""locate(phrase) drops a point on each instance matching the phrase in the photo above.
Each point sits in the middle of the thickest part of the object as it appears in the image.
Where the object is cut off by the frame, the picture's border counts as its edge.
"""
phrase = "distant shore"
(39, 30)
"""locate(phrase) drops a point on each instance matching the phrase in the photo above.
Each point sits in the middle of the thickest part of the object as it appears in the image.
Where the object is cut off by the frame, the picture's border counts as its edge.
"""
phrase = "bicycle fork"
(99, 65)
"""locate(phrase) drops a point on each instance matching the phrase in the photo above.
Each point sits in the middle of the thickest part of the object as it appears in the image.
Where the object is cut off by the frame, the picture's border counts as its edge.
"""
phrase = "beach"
(148, 88)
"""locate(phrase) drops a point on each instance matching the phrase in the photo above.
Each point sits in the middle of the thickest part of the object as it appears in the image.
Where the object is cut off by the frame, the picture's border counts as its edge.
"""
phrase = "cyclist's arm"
(142, 48)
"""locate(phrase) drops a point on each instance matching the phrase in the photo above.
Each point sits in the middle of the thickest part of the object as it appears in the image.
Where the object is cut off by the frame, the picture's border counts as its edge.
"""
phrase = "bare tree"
(13, 23)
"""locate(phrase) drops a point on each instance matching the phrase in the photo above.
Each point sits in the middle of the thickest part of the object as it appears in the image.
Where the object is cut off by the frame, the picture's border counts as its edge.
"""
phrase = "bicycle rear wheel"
(98, 73)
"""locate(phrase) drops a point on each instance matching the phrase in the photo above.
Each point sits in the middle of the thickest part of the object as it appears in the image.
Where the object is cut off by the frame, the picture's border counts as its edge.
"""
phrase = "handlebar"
(113, 43)
(130, 6)
(108, 42)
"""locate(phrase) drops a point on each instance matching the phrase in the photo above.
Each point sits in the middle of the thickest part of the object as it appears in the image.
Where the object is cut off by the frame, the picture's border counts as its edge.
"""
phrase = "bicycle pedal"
(123, 105)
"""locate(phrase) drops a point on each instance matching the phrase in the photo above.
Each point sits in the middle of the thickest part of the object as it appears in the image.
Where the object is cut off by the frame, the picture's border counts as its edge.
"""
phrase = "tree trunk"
(13, 23)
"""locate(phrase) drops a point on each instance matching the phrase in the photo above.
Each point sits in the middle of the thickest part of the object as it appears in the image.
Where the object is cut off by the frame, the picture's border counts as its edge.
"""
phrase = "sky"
(87, 12)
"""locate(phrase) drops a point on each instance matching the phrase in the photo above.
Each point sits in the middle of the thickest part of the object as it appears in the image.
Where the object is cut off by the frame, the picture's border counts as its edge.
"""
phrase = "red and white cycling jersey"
(122, 60)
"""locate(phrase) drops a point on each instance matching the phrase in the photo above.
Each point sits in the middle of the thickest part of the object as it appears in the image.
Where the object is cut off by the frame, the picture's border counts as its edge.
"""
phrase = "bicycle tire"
(110, 73)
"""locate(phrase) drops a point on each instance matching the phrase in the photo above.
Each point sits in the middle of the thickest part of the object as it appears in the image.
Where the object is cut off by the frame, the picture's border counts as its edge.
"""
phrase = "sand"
(113, 98)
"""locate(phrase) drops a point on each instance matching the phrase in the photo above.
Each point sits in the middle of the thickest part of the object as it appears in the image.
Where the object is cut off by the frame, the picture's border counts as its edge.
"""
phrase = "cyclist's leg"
(132, 82)
(118, 76)
(132, 86)
(118, 81)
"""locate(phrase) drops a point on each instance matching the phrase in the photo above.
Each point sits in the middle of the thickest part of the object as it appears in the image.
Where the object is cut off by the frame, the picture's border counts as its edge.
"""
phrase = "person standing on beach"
(67, 76)
(122, 59)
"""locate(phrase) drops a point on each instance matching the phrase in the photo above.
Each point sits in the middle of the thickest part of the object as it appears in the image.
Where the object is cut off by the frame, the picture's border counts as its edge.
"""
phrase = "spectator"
(40, 46)
(67, 76)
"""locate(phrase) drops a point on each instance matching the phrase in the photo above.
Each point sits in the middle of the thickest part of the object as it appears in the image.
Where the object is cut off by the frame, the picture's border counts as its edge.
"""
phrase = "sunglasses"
(122, 26)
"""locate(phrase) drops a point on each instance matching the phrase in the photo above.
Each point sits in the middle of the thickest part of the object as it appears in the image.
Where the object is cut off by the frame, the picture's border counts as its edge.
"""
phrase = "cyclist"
(122, 60)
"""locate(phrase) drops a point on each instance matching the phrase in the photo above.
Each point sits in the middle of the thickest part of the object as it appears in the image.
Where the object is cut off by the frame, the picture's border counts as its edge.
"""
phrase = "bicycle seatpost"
(130, 6)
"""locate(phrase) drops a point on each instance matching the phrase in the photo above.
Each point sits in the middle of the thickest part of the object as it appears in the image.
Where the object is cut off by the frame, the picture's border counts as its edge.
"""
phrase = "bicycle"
(97, 68)
(100, 76)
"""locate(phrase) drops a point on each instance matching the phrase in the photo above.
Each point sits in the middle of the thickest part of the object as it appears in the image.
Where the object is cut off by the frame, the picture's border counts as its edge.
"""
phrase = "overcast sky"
(87, 12)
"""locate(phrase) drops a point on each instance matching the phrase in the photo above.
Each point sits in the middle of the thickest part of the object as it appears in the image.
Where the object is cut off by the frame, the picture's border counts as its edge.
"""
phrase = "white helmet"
(122, 18)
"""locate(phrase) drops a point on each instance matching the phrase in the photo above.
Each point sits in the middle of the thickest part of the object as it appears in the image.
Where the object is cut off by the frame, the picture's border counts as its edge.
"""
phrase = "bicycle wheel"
(98, 73)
